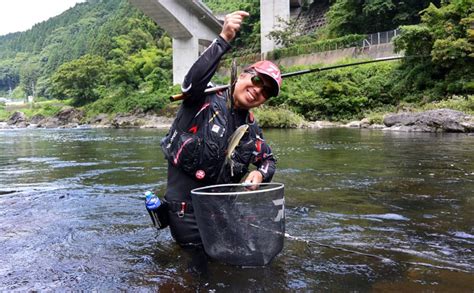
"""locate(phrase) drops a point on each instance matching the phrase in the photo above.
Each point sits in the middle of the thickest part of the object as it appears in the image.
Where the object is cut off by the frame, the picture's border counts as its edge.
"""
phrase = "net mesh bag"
(239, 226)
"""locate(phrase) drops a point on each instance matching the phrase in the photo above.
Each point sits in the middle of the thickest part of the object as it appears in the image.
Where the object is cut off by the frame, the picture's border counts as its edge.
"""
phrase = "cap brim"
(275, 88)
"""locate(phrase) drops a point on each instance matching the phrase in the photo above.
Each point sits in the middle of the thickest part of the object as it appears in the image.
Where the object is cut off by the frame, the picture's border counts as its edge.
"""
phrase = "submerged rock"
(49, 122)
(101, 118)
(100, 121)
(353, 124)
(37, 118)
(323, 124)
(442, 120)
(126, 121)
(18, 119)
(141, 121)
(69, 115)
(152, 121)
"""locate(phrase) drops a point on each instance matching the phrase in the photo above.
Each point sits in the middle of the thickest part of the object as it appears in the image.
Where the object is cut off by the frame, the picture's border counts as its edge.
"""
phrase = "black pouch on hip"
(159, 216)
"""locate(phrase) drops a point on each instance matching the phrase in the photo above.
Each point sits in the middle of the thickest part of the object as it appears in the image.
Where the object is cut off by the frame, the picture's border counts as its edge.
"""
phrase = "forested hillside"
(365, 17)
(98, 49)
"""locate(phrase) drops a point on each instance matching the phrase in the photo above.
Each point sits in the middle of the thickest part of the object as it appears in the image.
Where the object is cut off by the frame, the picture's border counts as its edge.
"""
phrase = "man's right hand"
(232, 23)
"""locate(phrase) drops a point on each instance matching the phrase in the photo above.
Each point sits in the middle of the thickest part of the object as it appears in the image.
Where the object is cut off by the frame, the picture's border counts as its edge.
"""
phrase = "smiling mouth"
(251, 96)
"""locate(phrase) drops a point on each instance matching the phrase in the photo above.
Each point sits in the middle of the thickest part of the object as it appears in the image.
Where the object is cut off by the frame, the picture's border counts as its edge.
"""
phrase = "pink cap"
(271, 70)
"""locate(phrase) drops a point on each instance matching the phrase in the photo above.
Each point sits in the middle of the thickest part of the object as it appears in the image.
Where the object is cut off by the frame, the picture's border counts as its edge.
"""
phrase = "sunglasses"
(259, 82)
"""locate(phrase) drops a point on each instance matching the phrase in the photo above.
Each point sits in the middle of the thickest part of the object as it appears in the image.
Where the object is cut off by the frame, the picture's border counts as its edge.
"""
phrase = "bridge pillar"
(189, 22)
(185, 53)
(273, 14)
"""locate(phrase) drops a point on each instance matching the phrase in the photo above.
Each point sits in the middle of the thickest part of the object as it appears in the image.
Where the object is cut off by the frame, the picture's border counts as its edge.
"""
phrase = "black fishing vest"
(200, 150)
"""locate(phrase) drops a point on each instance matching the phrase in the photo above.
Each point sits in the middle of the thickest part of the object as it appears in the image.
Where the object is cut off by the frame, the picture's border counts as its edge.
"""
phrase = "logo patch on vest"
(215, 128)
(200, 174)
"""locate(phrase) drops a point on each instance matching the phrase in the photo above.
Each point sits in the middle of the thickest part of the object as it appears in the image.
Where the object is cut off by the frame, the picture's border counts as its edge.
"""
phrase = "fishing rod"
(290, 74)
(181, 96)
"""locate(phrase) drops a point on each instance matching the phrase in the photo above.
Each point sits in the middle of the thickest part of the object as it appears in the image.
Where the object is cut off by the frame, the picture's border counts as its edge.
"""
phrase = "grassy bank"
(278, 117)
(46, 108)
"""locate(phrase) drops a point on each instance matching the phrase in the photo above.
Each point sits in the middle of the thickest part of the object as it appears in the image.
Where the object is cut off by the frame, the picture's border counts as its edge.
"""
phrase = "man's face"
(251, 90)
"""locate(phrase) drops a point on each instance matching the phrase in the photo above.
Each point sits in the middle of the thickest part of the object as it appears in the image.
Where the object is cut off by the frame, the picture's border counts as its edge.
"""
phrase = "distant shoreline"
(442, 120)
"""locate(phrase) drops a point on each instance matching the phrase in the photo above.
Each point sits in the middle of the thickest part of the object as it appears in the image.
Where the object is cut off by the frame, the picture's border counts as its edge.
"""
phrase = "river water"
(368, 210)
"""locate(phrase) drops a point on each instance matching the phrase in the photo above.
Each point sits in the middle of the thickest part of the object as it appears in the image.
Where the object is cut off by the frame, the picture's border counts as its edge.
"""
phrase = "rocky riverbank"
(70, 117)
(442, 120)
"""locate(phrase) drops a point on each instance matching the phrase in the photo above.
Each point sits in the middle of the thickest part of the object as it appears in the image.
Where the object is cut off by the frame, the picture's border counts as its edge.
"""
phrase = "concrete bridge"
(193, 26)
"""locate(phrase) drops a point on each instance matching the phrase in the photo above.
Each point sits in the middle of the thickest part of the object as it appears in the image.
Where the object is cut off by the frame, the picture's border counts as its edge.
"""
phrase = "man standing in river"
(196, 144)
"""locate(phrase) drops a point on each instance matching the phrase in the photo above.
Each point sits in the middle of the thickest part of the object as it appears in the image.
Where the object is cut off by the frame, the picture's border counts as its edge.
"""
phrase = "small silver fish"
(234, 140)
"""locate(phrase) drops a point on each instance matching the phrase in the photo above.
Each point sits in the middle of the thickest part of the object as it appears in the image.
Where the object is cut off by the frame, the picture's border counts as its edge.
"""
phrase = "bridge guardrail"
(318, 47)
(380, 38)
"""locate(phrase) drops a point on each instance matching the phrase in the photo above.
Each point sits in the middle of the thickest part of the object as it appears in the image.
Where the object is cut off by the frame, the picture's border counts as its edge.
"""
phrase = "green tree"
(79, 79)
(370, 16)
(29, 74)
(445, 36)
(225, 6)
(248, 38)
(287, 33)
(337, 94)
(9, 75)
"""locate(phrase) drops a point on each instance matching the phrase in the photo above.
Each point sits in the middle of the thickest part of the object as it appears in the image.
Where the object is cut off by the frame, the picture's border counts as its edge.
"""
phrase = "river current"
(365, 210)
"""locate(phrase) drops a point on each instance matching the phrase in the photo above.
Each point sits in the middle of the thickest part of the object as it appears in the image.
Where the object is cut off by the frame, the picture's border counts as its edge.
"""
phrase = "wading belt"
(180, 207)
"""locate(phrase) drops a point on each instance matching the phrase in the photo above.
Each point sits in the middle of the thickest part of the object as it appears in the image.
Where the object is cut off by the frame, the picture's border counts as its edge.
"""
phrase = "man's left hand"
(232, 23)
(253, 179)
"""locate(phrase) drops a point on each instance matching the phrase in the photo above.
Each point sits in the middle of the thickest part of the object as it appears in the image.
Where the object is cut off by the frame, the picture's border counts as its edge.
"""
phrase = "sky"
(21, 15)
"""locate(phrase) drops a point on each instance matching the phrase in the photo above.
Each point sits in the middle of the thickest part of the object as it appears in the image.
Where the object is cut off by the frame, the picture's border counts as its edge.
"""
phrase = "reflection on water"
(366, 209)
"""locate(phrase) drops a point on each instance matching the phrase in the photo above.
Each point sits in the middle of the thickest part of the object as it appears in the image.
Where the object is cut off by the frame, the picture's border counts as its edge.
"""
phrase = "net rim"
(197, 191)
